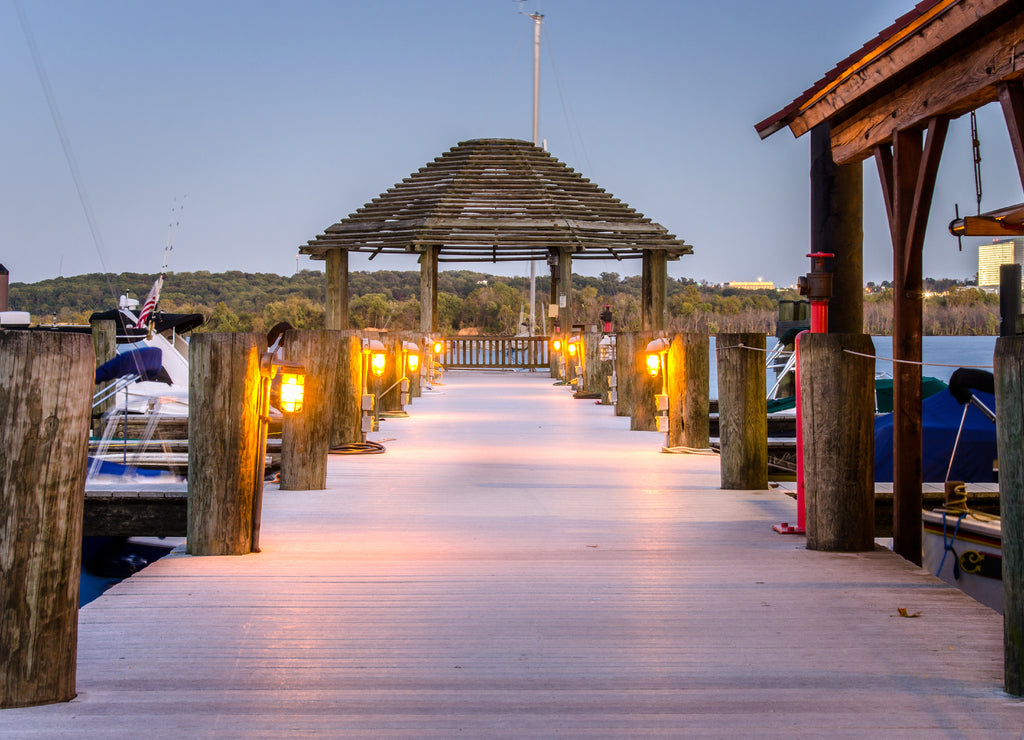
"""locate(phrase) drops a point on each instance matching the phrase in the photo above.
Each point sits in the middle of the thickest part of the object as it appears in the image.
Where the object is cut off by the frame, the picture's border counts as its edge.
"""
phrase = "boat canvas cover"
(941, 416)
(146, 362)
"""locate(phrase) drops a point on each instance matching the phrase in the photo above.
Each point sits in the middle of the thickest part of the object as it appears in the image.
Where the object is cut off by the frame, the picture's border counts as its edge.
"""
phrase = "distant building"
(991, 256)
(756, 285)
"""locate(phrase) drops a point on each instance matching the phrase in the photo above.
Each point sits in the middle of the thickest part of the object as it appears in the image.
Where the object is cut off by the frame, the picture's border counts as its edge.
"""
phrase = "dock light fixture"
(438, 347)
(293, 385)
(656, 351)
(574, 346)
(374, 350)
(293, 382)
(556, 344)
(412, 356)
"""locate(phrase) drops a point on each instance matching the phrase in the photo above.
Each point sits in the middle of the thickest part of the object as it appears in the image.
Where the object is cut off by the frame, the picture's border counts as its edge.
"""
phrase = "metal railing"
(495, 353)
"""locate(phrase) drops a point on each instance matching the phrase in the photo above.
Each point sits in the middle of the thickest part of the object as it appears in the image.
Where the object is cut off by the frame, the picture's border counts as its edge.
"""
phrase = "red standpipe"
(817, 286)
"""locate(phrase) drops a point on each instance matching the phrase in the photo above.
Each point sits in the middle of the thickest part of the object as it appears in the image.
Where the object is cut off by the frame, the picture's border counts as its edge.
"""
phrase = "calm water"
(942, 356)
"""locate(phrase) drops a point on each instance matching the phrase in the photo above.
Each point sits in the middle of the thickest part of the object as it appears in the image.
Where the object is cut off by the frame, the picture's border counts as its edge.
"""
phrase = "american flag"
(150, 304)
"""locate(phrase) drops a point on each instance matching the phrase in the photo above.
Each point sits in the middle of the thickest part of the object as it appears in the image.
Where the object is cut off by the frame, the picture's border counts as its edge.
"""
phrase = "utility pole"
(538, 19)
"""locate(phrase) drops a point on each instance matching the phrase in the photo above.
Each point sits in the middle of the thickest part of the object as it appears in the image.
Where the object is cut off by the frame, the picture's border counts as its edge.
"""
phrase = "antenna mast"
(538, 19)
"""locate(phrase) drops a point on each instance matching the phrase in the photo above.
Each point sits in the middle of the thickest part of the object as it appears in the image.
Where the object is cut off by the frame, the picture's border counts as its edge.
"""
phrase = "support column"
(653, 289)
(337, 289)
(837, 227)
(565, 286)
(428, 290)
(908, 181)
(1009, 379)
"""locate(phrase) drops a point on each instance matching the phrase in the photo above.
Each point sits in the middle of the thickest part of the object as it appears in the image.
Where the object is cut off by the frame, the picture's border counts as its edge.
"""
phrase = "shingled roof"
(493, 200)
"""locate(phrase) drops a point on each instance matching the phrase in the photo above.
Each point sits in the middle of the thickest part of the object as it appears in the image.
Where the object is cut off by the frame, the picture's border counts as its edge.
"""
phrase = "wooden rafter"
(1011, 97)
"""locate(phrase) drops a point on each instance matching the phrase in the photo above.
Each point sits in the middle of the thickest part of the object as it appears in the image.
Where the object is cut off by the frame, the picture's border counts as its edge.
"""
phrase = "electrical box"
(405, 385)
(662, 402)
(663, 424)
(613, 396)
(367, 402)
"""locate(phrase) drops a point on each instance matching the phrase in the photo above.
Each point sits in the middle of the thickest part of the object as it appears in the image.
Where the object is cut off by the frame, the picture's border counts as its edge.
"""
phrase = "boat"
(963, 548)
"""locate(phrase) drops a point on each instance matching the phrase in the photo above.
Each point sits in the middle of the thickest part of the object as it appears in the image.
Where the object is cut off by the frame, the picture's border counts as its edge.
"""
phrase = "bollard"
(346, 427)
(629, 369)
(742, 411)
(46, 385)
(223, 433)
(837, 391)
(306, 437)
(1009, 382)
(593, 380)
(689, 363)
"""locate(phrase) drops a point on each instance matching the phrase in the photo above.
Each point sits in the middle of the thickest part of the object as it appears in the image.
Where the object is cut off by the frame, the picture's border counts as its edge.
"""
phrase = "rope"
(875, 357)
(690, 450)
(914, 362)
(948, 546)
(358, 448)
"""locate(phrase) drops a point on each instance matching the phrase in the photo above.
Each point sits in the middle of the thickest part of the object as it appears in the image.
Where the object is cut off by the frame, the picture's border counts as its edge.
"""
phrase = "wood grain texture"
(46, 385)
(837, 395)
(347, 391)
(1009, 380)
(520, 564)
(223, 422)
(306, 436)
(742, 410)
(689, 363)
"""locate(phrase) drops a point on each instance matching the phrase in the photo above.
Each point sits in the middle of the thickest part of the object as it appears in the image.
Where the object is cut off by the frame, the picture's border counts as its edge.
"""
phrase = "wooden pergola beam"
(968, 78)
(1011, 97)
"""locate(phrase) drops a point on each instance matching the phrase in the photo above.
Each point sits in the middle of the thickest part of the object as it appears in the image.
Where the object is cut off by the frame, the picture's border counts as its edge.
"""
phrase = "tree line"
(469, 302)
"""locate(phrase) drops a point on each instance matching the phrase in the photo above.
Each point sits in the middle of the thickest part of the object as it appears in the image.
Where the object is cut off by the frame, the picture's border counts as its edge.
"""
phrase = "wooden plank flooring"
(519, 564)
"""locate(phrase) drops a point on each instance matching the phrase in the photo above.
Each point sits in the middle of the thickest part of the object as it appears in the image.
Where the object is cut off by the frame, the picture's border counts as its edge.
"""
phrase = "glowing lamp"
(438, 347)
(293, 383)
(556, 344)
(574, 346)
(656, 348)
(375, 349)
(412, 355)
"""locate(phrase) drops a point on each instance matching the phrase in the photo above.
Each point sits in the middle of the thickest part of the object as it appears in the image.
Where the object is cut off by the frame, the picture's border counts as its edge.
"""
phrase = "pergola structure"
(497, 200)
(892, 101)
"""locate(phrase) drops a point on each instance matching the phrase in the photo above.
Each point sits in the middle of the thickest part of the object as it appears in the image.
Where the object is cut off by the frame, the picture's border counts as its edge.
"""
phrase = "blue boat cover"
(941, 416)
(147, 362)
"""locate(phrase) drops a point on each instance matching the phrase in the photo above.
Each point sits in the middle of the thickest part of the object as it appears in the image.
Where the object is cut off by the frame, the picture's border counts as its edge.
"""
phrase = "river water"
(941, 355)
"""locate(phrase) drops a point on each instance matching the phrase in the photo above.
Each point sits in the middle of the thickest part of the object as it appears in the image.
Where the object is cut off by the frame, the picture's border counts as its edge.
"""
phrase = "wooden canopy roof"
(944, 58)
(493, 200)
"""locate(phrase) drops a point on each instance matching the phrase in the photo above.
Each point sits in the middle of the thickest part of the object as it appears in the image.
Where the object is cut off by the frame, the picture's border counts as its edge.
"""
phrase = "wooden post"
(223, 432)
(630, 369)
(337, 289)
(837, 227)
(653, 287)
(742, 411)
(592, 379)
(389, 396)
(348, 388)
(104, 343)
(1009, 299)
(46, 383)
(428, 289)
(1009, 382)
(689, 365)
(306, 436)
(644, 416)
(837, 392)
(907, 172)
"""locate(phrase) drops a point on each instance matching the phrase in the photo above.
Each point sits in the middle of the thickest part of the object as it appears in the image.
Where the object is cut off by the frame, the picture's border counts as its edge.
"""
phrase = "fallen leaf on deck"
(902, 611)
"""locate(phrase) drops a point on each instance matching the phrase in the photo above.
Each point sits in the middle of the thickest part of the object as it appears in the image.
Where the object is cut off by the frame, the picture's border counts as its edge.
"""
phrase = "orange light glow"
(377, 362)
(653, 364)
(292, 391)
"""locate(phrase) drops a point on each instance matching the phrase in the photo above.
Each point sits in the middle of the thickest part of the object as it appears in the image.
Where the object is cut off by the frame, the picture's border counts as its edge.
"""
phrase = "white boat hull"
(965, 551)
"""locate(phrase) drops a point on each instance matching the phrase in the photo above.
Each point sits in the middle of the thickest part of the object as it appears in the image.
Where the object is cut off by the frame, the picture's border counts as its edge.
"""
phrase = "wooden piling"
(389, 397)
(347, 392)
(104, 343)
(837, 396)
(223, 430)
(689, 366)
(1009, 382)
(593, 379)
(306, 436)
(646, 388)
(46, 384)
(742, 410)
(630, 368)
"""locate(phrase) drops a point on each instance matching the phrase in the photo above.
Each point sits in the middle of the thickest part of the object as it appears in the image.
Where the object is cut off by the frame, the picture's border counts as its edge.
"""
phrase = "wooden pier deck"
(519, 564)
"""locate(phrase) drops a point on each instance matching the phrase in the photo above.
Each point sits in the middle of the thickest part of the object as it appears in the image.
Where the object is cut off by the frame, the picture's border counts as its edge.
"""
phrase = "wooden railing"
(497, 353)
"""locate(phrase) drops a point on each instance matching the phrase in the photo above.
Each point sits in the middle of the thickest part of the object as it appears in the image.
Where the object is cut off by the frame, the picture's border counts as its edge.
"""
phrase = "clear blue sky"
(272, 120)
